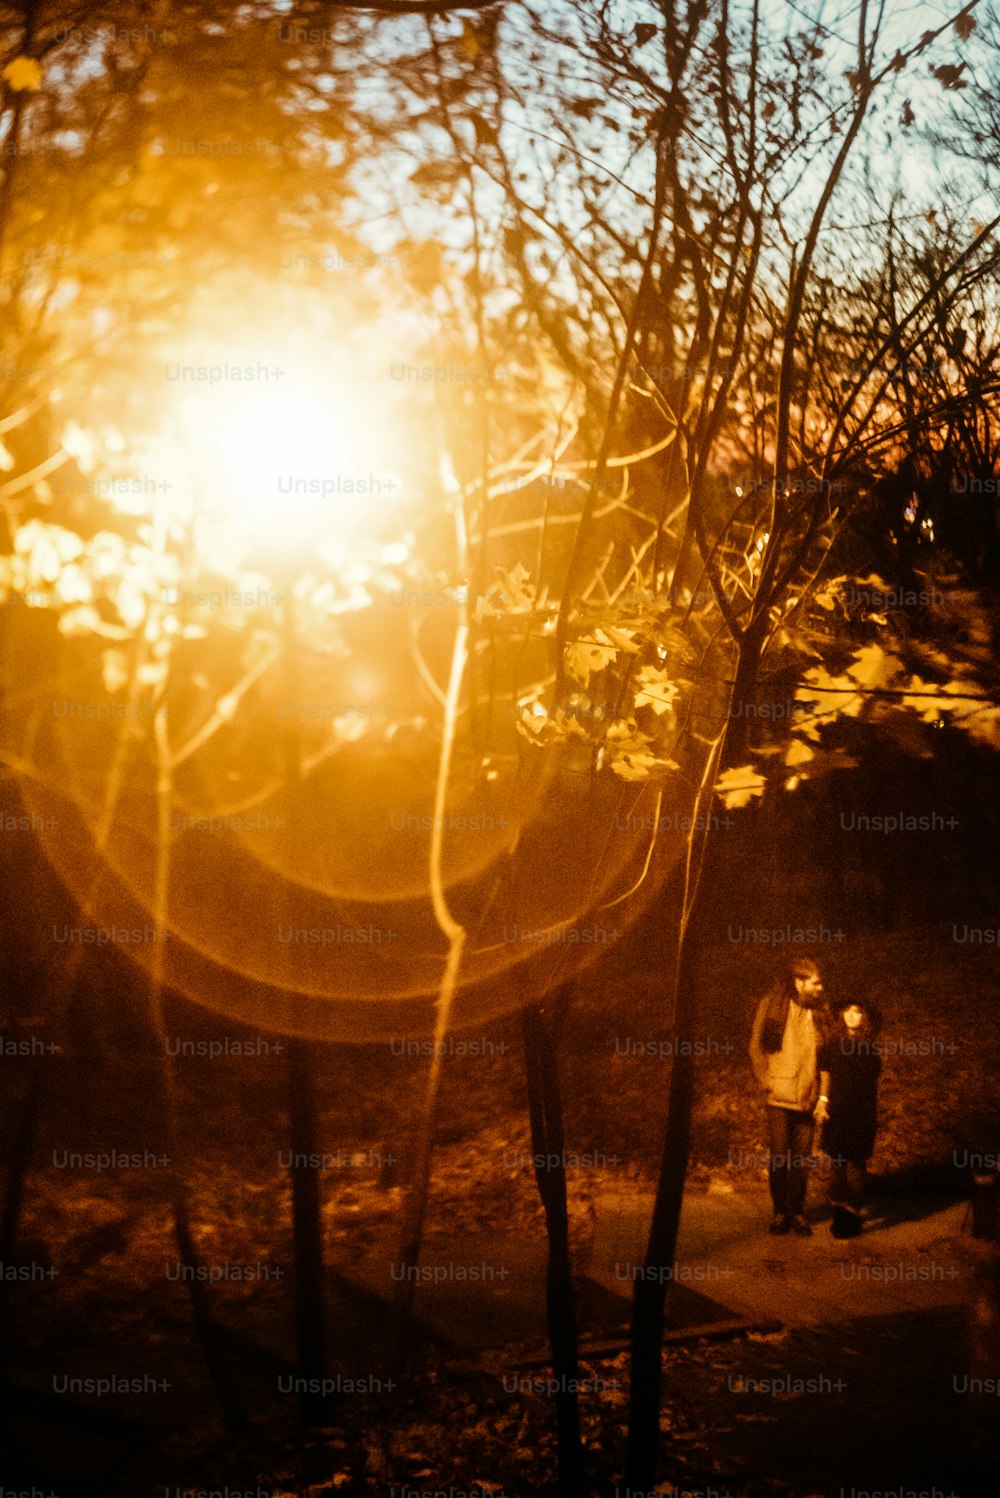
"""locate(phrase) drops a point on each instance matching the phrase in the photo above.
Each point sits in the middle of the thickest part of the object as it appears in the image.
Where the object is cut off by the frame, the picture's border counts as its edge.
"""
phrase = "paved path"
(488, 1290)
(917, 1256)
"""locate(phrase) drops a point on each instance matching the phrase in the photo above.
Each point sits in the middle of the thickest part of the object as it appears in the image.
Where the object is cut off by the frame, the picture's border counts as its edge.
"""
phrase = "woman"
(849, 1066)
(788, 1030)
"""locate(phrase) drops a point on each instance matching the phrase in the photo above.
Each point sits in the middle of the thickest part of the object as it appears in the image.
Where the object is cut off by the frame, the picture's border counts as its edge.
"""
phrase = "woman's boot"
(852, 1224)
(840, 1226)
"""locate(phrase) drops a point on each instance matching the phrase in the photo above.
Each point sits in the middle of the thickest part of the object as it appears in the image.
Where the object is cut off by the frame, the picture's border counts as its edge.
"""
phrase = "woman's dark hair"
(870, 1025)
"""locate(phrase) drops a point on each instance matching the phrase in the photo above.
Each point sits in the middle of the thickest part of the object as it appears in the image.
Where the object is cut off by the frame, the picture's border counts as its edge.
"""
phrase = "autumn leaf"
(798, 753)
(152, 673)
(508, 594)
(46, 548)
(984, 724)
(738, 787)
(965, 26)
(515, 595)
(635, 766)
(810, 764)
(436, 174)
(470, 44)
(539, 726)
(644, 32)
(949, 75)
(873, 580)
(626, 749)
(586, 657)
(828, 596)
(619, 636)
(655, 690)
(84, 620)
(114, 670)
(923, 699)
(79, 446)
(24, 75)
(873, 667)
(73, 585)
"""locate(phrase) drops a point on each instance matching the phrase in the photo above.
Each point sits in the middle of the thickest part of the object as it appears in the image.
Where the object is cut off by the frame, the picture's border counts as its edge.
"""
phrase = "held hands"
(821, 1112)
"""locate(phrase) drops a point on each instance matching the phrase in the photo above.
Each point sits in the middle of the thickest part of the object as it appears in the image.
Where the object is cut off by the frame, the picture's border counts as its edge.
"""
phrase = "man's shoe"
(779, 1224)
(801, 1227)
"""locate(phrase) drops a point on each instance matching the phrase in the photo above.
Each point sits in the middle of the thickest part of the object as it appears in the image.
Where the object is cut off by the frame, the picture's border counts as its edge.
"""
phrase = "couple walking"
(817, 1066)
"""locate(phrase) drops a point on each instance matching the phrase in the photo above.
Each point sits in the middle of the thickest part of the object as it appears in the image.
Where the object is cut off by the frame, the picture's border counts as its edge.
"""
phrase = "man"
(788, 1031)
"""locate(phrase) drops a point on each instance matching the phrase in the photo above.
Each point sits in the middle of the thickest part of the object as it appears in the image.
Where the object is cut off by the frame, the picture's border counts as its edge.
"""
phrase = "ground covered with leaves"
(477, 1422)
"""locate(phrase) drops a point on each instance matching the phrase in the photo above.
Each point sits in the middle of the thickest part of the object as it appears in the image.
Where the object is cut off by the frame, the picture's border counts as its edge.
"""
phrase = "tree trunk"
(206, 1330)
(307, 1231)
(650, 1291)
(547, 1142)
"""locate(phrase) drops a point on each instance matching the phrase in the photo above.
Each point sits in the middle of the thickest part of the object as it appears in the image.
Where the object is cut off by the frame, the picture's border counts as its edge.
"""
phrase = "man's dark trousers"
(791, 1143)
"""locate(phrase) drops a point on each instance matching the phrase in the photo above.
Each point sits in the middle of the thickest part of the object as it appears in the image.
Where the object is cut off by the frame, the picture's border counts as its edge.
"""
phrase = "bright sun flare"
(284, 455)
(286, 466)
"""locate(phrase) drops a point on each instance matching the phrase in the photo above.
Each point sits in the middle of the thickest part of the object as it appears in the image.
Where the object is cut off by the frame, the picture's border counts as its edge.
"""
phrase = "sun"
(285, 466)
(285, 456)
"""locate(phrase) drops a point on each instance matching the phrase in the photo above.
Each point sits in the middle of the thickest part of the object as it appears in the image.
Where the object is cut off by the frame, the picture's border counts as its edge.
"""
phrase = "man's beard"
(810, 1001)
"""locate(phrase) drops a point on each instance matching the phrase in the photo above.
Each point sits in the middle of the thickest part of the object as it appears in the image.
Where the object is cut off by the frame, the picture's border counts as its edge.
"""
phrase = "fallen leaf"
(24, 74)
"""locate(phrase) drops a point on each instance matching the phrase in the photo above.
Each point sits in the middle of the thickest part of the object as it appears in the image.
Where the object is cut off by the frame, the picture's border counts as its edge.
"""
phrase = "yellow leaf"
(873, 666)
(621, 638)
(47, 548)
(115, 670)
(621, 733)
(737, 787)
(586, 657)
(656, 691)
(81, 620)
(470, 43)
(73, 584)
(834, 694)
(23, 73)
(798, 753)
(79, 446)
(130, 601)
(633, 766)
(926, 705)
(984, 725)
